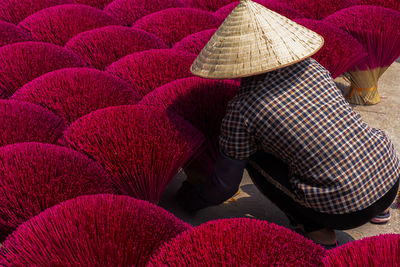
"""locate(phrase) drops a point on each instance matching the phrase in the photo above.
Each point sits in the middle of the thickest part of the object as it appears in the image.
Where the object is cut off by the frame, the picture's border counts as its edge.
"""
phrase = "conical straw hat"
(254, 40)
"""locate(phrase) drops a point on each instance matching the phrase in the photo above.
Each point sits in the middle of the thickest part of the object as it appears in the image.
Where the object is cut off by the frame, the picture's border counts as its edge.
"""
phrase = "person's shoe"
(381, 218)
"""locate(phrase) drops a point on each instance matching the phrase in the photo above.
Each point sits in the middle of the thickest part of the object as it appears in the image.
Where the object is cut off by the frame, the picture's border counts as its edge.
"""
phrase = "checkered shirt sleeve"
(235, 139)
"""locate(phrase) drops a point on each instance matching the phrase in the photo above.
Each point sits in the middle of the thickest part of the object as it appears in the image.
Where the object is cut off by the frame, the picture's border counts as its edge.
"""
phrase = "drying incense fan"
(381, 39)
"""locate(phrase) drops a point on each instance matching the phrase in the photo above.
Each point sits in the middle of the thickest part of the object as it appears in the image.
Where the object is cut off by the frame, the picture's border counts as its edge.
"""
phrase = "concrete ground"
(250, 203)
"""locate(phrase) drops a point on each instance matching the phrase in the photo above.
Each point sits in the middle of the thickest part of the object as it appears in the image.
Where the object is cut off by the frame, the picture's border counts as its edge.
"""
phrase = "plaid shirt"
(338, 164)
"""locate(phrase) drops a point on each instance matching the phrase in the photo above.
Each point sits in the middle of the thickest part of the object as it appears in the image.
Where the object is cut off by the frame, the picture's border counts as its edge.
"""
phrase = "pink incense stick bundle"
(202, 102)
(147, 70)
(340, 52)
(94, 3)
(74, 92)
(381, 39)
(103, 46)
(382, 250)
(23, 62)
(172, 25)
(96, 230)
(15, 11)
(194, 43)
(316, 9)
(9, 33)
(37, 176)
(210, 5)
(59, 24)
(27, 122)
(142, 147)
(276, 6)
(280, 8)
(129, 11)
(393, 4)
(224, 11)
(238, 242)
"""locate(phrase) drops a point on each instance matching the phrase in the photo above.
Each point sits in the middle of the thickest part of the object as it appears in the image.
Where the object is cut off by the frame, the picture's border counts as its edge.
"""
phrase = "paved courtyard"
(250, 203)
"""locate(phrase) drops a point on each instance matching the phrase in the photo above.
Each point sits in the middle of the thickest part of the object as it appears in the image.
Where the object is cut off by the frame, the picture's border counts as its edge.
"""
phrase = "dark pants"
(311, 219)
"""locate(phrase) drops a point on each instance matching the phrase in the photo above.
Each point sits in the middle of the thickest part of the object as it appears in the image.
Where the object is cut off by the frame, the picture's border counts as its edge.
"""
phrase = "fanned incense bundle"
(74, 92)
(381, 39)
(94, 3)
(194, 43)
(23, 62)
(57, 25)
(317, 9)
(382, 250)
(340, 52)
(15, 11)
(103, 46)
(9, 33)
(172, 25)
(96, 230)
(161, 66)
(202, 102)
(27, 122)
(393, 4)
(37, 176)
(238, 242)
(278, 7)
(142, 147)
(129, 11)
(210, 5)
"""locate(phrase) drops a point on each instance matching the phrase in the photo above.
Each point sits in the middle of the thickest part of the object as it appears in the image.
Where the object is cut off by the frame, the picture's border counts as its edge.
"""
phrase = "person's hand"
(189, 198)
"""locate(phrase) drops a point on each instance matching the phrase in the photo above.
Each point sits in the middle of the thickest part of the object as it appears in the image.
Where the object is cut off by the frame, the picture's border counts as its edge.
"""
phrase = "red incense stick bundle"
(393, 4)
(9, 33)
(129, 11)
(194, 43)
(147, 70)
(23, 62)
(94, 3)
(382, 250)
(103, 46)
(316, 9)
(37, 176)
(74, 92)
(340, 52)
(239, 242)
(142, 147)
(172, 25)
(202, 102)
(59, 24)
(15, 11)
(381, 39)
(96, 230)
(26, 122)
(276, 6)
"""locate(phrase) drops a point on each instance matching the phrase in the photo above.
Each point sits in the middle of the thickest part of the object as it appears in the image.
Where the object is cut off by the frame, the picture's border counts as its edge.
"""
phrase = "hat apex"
(253, 40)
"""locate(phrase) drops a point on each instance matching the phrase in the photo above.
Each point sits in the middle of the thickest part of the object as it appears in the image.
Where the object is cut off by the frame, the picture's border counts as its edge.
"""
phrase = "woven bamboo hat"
(253, 40)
